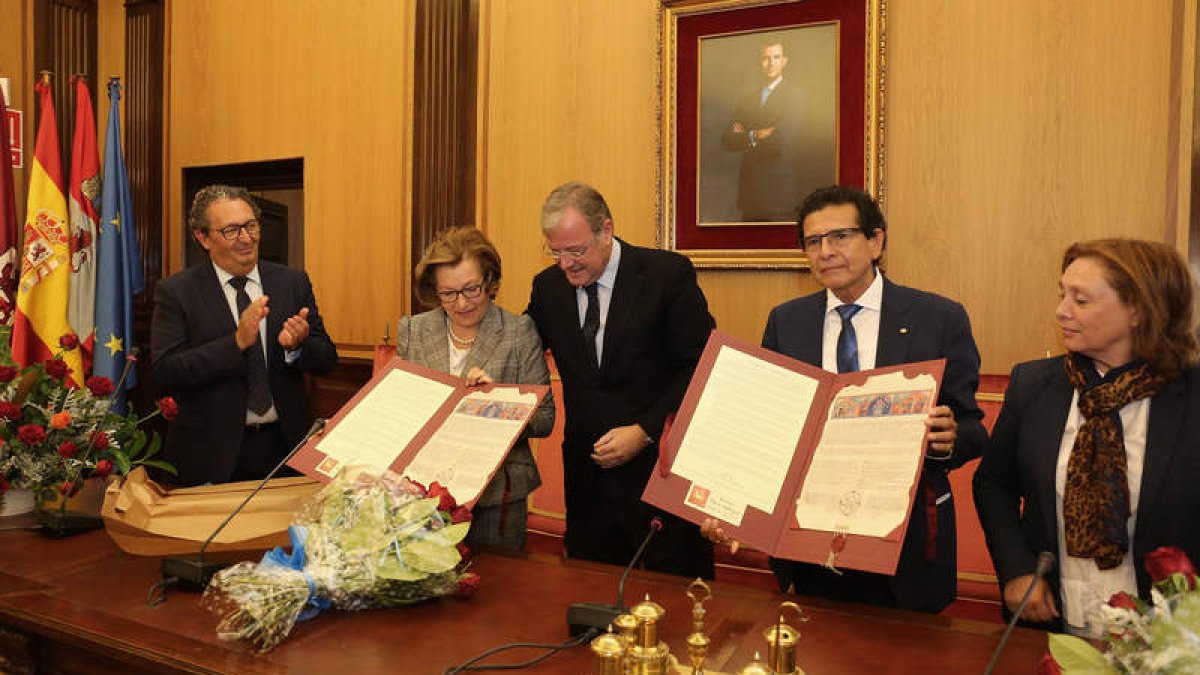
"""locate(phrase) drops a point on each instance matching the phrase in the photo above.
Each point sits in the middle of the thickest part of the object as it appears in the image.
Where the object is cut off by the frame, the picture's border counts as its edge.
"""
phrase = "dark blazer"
(768, 183)
(508, 348)
(913, 326)
(196, 360)
(657, 326)
(1021, 461)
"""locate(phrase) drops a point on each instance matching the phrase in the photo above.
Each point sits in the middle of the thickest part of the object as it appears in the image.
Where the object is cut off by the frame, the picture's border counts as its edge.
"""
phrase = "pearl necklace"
(462, 341)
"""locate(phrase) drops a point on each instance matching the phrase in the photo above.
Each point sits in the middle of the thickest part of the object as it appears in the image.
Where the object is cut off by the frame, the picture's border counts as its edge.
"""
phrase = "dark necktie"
(258, 391)
(591, 320)
(847, 343)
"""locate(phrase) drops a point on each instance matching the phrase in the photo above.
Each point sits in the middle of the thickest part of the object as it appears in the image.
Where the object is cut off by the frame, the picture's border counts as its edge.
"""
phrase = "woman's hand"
(1041, 607)
(477, 377)
(711, 529)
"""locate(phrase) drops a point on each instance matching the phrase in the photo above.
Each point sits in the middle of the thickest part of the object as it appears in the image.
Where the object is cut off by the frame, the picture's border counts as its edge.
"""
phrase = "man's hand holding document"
(427, 425)
(797, 461)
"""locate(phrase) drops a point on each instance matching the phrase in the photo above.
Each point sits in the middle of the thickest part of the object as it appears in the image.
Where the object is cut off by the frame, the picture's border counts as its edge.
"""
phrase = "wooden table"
(81, 602)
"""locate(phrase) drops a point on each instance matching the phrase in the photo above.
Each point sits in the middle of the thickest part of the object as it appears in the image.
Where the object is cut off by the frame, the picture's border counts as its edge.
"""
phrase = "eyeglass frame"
(252, 227)
(570, 254)
(837, 238)
(449, 297)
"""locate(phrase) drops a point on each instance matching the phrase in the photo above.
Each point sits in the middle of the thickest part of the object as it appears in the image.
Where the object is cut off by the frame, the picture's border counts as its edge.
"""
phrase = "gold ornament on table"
(631, 645)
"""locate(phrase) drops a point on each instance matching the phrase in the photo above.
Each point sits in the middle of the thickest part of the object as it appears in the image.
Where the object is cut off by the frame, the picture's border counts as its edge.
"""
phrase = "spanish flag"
(44, 287)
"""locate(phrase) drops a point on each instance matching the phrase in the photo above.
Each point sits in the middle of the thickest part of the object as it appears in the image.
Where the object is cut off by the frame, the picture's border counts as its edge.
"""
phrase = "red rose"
(467, 584)
(68, 341)
(99, 440)
(1165, 561)
(445, 499)
(7, 373)
(56, 368)
(1122, 600)
(464, 551)
(100, 386)
(460, 515)
(31, 434)
(68, 489)
(67, 449)
(168, 407)
(1048, 666)
(10, 411)
(104, 468)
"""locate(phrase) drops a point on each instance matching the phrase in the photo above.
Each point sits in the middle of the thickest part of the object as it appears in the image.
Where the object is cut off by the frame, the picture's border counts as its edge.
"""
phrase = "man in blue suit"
(860, 321)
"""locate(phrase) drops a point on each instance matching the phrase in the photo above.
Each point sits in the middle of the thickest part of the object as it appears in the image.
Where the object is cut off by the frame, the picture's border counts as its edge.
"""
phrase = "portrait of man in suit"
(768, 123)
(626, 326)
(231, 340)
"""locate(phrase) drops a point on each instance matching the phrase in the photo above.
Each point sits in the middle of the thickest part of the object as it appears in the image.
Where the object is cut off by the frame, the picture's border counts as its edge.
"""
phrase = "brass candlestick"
(781, 642)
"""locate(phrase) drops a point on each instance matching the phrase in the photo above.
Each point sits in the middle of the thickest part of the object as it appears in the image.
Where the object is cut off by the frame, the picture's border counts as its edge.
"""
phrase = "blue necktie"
(766, 91)
(847, 343)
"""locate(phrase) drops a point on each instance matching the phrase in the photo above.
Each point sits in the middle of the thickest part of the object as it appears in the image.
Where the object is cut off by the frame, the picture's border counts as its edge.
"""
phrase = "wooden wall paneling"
(444, 127)
(1015, 129)
(571, 94)
(65, 45)
(329, 82)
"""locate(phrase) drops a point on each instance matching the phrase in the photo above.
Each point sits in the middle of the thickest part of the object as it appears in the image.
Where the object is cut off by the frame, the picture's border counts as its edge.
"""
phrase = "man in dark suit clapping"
(626, 326)
(231, 340)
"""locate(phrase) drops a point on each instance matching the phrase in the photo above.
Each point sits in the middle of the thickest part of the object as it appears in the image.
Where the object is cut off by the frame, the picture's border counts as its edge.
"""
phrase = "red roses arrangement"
(1159, 638)
(54, 435)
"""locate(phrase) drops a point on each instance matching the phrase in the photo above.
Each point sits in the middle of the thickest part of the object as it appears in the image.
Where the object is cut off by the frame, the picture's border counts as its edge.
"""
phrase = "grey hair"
(579, 196)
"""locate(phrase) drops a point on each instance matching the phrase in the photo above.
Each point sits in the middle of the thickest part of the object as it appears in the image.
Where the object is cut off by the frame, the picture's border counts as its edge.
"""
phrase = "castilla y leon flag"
(8, 224)
(85, 190)
(119, 272)
(44, 285)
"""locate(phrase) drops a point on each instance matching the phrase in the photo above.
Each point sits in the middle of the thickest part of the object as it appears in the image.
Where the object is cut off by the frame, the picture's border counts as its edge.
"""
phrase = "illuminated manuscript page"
(471, 443)
(743, 434)
(868, 457)
(384, 422)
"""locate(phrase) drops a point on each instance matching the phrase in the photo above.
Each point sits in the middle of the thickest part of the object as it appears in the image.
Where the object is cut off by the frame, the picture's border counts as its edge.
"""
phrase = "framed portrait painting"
(763, 102)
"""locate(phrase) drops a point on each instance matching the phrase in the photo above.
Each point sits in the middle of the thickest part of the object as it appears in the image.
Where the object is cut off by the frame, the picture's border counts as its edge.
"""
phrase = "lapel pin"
(903, 331)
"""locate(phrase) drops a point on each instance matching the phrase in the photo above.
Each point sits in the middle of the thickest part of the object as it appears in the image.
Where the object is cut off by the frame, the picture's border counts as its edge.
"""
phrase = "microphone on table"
(1045, 563)
(194, 572)
(585, 616)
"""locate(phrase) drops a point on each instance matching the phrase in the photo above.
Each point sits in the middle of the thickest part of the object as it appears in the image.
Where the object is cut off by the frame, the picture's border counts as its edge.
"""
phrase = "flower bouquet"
(53, 435)
(1142, 639)
(365, 541)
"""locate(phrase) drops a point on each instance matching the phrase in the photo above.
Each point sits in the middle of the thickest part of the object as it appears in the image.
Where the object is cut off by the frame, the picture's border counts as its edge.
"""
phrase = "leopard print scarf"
(1095, 504)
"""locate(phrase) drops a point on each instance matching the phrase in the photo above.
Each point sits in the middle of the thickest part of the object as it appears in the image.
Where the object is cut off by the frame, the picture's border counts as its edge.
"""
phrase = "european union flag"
(119, 269)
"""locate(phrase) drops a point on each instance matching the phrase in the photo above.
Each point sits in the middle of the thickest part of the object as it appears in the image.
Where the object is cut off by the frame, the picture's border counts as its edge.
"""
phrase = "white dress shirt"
(1085, 587)
(604, 288)
(865, 322)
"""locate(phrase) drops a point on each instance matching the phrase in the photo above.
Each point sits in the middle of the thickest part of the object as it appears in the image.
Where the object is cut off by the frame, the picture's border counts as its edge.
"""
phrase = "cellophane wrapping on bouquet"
(364, 541)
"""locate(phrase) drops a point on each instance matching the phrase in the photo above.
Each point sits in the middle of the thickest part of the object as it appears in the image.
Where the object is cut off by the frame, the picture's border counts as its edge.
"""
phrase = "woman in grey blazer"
(469, 336)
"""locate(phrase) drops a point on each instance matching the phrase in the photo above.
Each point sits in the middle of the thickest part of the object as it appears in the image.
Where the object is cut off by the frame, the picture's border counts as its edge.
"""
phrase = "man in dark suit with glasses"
(231, 339)
(626, 326)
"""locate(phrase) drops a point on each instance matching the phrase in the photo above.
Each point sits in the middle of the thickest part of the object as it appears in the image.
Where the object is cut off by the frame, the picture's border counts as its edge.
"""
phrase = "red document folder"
(312, 462)
(778, 532)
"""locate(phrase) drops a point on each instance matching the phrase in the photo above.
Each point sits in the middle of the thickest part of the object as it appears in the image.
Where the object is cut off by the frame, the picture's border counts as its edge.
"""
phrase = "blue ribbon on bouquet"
(279, 557)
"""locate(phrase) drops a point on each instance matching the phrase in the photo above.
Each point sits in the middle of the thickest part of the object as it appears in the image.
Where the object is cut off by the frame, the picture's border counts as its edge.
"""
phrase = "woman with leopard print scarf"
(1096, 454)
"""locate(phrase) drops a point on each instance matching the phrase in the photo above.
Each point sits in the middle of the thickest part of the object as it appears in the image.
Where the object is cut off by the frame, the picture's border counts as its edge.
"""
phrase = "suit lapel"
(892, 345)
(434, 341)
(624, 299)
(1166, 416)
(1049, 413)
(810, 343)
(214, 298)
(486, 340)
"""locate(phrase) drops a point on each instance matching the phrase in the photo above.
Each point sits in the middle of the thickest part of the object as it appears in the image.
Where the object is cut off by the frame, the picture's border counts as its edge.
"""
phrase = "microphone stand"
(194, 573)
(585, 616)
(1045, 562)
